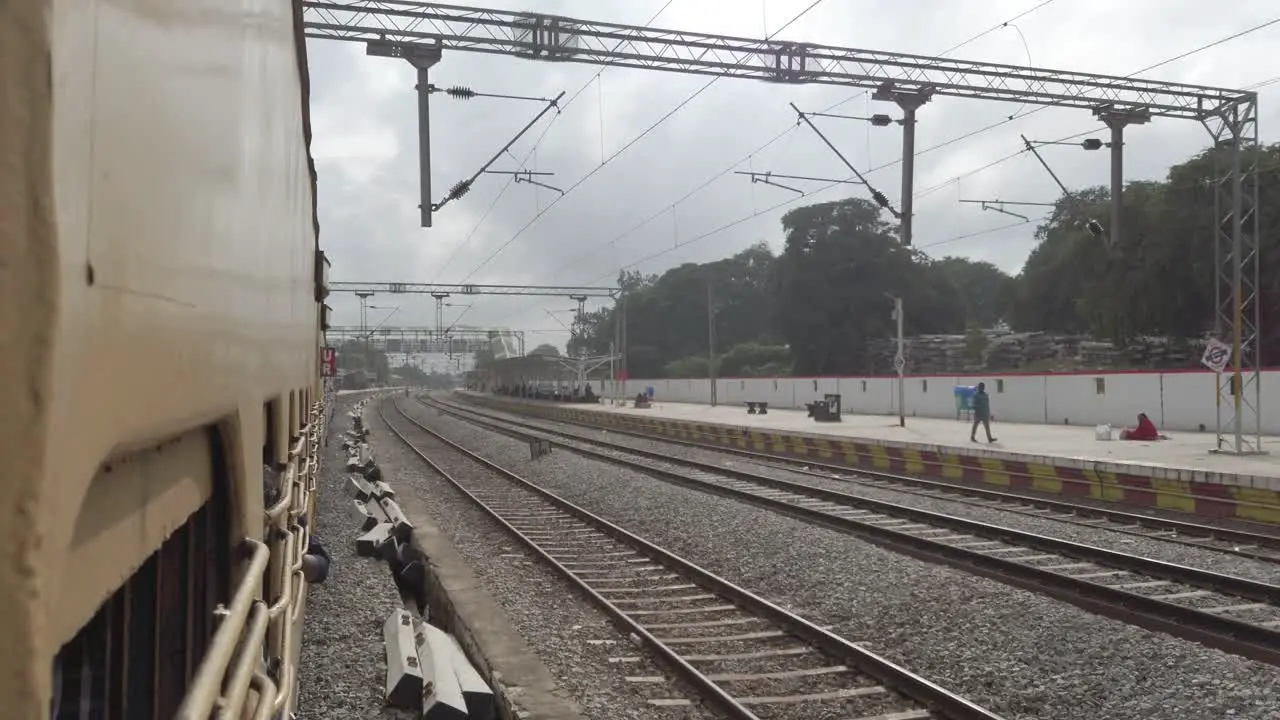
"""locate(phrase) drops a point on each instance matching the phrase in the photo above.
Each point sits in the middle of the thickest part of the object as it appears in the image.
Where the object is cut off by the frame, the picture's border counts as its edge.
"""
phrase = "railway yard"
(643, 578)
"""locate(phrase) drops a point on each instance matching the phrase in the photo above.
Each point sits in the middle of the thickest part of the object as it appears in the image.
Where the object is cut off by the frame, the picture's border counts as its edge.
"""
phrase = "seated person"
(1146, 430)
(315, 562)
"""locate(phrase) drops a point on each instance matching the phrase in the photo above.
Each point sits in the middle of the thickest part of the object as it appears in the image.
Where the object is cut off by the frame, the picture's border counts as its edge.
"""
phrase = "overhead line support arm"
(570, 291)
(549, 37)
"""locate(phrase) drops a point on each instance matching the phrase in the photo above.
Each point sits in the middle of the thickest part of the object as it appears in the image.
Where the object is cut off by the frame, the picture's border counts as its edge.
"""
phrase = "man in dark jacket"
(981, 413)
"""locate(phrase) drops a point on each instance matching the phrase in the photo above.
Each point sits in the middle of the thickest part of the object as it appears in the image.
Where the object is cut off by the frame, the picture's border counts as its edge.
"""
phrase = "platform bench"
(757, 408)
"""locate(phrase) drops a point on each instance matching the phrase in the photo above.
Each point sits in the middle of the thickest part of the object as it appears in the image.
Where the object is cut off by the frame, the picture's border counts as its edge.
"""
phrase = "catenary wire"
(669, 207)
(644, 133)
(466, 240)
(802, 13)
(950, 181)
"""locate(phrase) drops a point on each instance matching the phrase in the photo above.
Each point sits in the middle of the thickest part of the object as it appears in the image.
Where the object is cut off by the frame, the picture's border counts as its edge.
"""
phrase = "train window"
(864, 386)
(136, 657)
(924, 386)
(268, 434)
(999, 385)
(1100, 385)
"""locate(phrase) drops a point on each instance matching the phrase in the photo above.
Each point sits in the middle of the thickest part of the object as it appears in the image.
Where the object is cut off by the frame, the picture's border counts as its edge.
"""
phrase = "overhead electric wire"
(569, 190)
(785, 203)
(1012, 118)
(788, 133)
(734, 223)
(466, 240)
(1167, 186)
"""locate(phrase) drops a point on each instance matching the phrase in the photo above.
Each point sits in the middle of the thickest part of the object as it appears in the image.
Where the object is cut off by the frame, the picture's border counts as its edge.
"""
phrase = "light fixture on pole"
(1093, 226)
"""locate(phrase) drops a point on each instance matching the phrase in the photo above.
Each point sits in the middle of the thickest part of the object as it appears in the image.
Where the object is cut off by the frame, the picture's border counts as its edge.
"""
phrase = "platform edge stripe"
(995, 471)
(1100, 481)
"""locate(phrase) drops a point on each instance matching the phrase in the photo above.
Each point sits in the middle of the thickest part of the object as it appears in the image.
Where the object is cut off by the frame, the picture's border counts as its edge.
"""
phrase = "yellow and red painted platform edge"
(1209, 500)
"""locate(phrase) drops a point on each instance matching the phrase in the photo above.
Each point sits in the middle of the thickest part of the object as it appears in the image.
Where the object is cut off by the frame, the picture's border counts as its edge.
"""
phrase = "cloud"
(365, 115)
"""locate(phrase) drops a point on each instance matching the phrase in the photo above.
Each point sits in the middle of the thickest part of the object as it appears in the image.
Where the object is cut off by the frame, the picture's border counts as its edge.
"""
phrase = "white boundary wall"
(1178, 400)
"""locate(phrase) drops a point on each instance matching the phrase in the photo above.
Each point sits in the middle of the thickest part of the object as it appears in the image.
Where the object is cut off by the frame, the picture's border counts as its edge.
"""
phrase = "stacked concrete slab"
(427, 671)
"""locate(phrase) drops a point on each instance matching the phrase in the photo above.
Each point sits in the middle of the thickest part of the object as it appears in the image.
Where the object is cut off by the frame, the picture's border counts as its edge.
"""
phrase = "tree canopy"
(816, 307)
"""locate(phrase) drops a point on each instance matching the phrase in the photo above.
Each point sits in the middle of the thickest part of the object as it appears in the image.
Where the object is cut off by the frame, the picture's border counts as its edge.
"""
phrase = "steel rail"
(1245, 542)
(1250, 640)
(890, 675)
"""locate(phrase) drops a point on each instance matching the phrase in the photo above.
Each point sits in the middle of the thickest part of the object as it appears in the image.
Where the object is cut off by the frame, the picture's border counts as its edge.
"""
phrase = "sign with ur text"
(328, 362)
(1217, 355)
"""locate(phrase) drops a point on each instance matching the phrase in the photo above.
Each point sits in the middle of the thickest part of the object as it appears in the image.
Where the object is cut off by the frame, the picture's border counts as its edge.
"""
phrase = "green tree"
(546, 350)
(989, 293)
(1159, 278)
(841, 263)
(755, 360)
(815, 308)
(690, 367)
(666, 316)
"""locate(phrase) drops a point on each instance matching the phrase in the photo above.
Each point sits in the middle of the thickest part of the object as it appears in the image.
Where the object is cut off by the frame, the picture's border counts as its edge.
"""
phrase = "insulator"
(880, 199)
(459, 189)
(461, 92)
(1095, 228)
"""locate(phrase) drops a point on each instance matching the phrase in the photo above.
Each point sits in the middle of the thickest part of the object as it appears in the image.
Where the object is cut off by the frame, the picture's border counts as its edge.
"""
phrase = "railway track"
(745, 656)
(1230, 613)
(1259, 545)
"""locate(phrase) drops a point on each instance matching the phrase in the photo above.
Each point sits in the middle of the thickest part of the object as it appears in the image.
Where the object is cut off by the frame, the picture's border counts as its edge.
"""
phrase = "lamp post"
(900, 360)
(711, 341)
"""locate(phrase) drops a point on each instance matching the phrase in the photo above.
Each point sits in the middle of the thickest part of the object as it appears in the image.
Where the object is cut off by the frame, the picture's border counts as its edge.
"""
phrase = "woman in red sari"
(1146, 430)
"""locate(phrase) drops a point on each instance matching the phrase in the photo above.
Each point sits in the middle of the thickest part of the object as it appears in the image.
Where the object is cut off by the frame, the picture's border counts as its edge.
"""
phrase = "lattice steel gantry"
(400, 28)
(1237, 280)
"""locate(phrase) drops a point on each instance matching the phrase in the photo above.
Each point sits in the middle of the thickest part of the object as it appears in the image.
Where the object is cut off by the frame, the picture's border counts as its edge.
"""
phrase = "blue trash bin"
(964, 401)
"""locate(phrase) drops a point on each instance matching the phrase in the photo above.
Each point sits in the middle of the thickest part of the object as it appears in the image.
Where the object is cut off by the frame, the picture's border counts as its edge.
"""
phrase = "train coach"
(161, 302)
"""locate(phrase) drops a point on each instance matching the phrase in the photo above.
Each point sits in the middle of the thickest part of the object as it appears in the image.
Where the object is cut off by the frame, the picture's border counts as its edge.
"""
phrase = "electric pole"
(711, 341)
(900, 362)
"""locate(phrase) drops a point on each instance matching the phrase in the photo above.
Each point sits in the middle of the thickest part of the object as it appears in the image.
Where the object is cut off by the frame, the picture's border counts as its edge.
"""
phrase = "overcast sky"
(364, 113)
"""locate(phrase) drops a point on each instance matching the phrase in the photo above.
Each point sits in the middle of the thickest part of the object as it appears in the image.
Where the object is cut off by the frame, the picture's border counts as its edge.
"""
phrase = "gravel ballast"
(1100, 537)
(576, 641)
(1015, 652)
(343, 664)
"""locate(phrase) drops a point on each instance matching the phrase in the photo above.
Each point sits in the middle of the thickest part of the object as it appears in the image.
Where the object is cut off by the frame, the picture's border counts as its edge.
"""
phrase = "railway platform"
(1178, 474)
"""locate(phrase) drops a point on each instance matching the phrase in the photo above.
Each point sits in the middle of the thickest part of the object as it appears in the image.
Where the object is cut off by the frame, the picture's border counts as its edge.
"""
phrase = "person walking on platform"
(981, 413)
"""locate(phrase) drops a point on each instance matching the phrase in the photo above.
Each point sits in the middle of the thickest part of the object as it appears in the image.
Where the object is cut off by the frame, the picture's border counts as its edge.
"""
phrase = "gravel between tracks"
(1100, 537)
(1017, 653)
(343, 664)
(572, 638)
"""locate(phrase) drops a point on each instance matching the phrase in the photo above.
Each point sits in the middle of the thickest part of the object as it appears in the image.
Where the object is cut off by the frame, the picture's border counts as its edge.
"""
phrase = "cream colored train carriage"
(158, 343)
